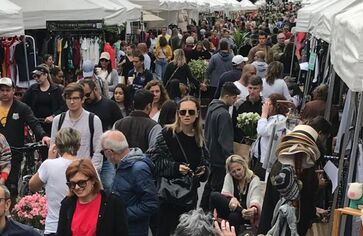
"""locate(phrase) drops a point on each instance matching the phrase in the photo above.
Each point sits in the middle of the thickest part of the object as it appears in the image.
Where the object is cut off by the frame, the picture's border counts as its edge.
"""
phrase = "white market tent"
(175, 5)
(305, 14)
(132, 12)
(11, 19)
(325, 18)
(346, 48)
(153, 5)
(247, 5)
(37, 12)
(260, 3)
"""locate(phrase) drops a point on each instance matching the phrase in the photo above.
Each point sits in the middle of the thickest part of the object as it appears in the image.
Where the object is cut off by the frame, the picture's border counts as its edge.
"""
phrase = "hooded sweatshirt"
(135, 185)
(218, 64)
(219, 133)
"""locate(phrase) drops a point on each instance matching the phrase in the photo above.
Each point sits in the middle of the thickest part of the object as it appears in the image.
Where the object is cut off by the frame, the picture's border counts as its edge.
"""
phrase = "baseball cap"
(40, 69)
(105, 55)
(238, 59)
(88, 68)
(6, 81)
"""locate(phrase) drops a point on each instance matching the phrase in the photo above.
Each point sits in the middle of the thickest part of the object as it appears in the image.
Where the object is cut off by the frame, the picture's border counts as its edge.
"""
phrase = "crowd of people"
(129, 146)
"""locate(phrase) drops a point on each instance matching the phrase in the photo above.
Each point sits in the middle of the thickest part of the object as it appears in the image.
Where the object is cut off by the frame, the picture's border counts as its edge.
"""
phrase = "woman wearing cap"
(160, 97)
(44, 97)
(179, 69)
(163, 54)
(87, 210)
(180, 151)
(106, 73)
(240, 201)
(273, 114)
(51, 174)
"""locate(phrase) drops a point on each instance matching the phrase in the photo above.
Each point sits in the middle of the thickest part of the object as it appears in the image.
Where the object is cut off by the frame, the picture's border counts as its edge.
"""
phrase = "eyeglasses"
(73, 98)
(190, 112)
(87, 95)
(3, 198)
(81, 184)
(105, 60)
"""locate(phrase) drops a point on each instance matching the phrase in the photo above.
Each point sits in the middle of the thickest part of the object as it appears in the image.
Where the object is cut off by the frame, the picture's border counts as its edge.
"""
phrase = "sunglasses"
(35, 76)
(81, 184)
(190, 112)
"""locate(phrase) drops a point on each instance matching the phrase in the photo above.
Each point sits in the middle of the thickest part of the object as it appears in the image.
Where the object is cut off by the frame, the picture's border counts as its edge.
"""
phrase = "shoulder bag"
(179, 191)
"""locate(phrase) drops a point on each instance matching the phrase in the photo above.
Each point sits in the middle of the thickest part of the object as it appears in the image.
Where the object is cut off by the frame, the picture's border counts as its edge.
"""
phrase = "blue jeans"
(107, 174)
(160, 67)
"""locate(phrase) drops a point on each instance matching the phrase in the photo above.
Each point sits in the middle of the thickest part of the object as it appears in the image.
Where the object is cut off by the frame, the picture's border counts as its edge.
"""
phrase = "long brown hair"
(85, 167)
(274, 71)
(163, 94)
(176, 126)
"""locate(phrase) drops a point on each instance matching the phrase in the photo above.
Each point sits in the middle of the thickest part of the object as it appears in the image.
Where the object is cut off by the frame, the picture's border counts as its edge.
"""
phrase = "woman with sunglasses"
(51, 174)
(180, 150)
(106, 73)
(44, 98)
(87, 210)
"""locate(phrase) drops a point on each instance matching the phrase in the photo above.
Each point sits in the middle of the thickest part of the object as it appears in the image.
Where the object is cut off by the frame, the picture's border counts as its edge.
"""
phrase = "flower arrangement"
(31, 210)
(198, 69)
(247, 121)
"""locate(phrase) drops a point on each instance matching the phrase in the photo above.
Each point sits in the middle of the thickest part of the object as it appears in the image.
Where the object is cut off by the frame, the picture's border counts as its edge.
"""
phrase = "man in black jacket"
(219, 139)
(140, 130)
(14, 116)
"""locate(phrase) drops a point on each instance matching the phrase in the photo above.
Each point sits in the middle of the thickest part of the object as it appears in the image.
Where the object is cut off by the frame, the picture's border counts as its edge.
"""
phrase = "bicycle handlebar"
(29, 147)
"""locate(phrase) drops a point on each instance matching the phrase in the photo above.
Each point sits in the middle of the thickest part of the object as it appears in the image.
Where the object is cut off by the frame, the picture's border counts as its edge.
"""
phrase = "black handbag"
(179, 191)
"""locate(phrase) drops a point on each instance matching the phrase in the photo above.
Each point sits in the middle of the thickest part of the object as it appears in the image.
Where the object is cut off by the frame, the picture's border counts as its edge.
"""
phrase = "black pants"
(12, 182)
(220, 203)
(169, 219)
(214, 184)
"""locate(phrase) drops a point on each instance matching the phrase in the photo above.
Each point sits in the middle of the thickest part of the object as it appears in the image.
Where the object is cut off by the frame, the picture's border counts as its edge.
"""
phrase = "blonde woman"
(180, 151)
(240, 201)
(157, 88)
(180, 70)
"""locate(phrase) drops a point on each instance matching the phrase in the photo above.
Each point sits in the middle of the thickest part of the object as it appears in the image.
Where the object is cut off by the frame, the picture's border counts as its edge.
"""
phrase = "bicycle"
(29, 166)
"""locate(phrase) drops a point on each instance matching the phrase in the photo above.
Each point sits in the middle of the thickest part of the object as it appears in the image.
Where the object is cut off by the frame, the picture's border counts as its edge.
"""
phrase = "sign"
(312, 60)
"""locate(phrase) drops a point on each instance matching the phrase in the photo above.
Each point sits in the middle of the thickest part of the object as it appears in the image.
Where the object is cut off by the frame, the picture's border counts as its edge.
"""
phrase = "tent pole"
(307, 80)
(293, 54)
(343, 148)
(353, 154)
(329, 101)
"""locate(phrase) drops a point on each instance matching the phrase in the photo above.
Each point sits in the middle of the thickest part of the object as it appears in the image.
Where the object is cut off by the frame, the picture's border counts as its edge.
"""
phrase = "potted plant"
(31, 210)
(240, 38)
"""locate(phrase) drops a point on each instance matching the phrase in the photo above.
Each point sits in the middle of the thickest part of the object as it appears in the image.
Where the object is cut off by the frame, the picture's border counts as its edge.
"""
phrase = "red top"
(85, 217)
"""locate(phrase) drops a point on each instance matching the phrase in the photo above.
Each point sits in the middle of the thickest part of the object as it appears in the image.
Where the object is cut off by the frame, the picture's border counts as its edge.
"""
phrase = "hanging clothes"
(2, 55)
(20, 58)
(108, 48)
(76, 49)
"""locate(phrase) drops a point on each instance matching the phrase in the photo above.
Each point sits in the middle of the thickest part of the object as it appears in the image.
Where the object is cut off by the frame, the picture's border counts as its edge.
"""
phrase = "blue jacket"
(135, 184)
(14, 228)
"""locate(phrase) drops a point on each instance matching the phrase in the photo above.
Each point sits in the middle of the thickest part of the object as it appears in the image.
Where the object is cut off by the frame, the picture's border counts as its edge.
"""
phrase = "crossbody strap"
(181, 148)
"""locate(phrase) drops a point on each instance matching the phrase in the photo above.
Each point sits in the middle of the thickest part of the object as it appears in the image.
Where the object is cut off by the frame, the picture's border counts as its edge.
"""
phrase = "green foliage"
(198, 68)
(240, 38)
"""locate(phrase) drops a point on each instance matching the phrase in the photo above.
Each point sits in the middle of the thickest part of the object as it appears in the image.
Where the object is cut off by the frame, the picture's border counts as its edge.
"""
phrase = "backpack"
(90, 124)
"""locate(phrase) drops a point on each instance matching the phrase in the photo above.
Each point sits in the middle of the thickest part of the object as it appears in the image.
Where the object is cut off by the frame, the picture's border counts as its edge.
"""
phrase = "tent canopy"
(11, 19)
(247, 5)
(325, 18)
(305, 14)
(346, 48)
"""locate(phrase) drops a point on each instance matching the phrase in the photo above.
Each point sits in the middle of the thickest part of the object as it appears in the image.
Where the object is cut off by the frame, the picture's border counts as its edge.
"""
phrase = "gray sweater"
(83, 127)
(218, 64)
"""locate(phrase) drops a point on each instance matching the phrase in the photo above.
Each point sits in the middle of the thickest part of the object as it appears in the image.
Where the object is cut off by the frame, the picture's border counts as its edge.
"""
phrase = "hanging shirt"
(76, 49)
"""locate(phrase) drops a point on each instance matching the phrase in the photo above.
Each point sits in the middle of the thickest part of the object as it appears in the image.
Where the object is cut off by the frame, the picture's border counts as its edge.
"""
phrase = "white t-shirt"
(244, 91)
(52, 173)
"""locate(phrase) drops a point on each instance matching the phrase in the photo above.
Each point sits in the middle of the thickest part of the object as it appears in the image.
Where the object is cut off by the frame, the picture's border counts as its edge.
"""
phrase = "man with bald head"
(279, 47)
(248, 71)
(133, 181)
(7, 225)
